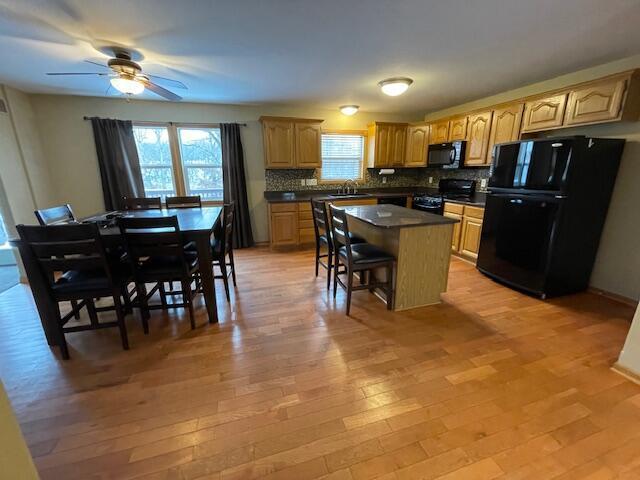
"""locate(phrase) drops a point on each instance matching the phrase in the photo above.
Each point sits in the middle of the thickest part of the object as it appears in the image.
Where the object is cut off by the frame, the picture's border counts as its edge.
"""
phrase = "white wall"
(630, 354)
(68, 141)
(617, 265)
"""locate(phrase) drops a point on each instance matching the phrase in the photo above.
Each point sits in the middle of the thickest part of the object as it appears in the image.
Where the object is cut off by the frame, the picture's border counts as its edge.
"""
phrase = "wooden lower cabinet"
(283, 224)
(466, 234)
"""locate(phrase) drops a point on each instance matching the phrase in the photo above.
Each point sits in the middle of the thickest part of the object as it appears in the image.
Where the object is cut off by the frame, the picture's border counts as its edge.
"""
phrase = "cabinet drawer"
(306, 235)
(304, 206)
(453, 208)
(305, 223)
(305, 215)
(284, 207)
(474, 212)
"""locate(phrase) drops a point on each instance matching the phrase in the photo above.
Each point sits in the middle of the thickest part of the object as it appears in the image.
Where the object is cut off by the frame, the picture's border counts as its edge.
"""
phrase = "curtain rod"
(172, 123)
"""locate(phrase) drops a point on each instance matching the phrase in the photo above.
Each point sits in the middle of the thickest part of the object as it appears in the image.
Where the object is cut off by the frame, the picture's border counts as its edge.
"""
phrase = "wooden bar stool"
(360, 257)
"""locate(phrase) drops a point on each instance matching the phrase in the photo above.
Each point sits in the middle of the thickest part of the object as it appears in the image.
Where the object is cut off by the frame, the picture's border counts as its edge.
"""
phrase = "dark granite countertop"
(393, 216)
(305, 195)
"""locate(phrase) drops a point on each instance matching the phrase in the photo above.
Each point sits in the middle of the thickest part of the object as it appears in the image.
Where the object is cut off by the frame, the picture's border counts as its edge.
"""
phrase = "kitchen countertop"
(393, 216)
(305, 195)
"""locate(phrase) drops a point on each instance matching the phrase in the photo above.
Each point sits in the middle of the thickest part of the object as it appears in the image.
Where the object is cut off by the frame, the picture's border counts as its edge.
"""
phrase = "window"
(180, 160)
(342, 156)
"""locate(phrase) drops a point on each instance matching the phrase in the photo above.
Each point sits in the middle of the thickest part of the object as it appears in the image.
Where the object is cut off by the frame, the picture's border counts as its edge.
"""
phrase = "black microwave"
(446, 155)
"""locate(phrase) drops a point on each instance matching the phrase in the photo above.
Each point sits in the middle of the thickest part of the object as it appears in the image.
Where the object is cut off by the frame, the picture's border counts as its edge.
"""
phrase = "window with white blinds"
(342, 156)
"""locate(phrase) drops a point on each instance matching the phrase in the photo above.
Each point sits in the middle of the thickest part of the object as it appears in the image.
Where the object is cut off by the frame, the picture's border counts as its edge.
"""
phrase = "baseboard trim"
(626, 373)
(613, 296)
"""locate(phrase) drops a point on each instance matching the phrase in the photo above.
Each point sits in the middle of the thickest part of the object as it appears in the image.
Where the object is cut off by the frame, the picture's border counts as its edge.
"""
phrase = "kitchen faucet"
(346, 187)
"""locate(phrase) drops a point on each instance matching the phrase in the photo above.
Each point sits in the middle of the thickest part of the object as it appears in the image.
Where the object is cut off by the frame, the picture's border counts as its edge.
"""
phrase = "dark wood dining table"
(196, 225)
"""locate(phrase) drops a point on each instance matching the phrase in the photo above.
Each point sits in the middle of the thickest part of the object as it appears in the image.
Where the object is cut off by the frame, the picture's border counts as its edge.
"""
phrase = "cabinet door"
(308, 138)
(284, 228)
(399, 137)
(505, 126)
(544, 114)
(470, 236)
(278, 144)
(596, 103)
(417, 142)
(478, 139)
(455, 240)
(458, 129)
(383, 146)
(439, 132)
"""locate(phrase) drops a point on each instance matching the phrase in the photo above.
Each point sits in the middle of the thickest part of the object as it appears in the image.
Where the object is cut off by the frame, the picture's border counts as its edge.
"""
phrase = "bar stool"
(360, 257)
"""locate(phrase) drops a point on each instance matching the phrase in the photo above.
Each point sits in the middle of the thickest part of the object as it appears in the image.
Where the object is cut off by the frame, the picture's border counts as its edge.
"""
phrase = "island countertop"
(393, 216)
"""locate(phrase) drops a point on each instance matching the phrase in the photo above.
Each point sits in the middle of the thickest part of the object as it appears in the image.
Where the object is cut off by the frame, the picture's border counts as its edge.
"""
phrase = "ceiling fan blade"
(163, 92)
(96, 63)
(78, 73)
(168, 81)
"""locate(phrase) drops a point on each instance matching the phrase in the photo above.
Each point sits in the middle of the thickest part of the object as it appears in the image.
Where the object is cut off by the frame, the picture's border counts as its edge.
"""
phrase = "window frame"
(179, 181)
(365, 143)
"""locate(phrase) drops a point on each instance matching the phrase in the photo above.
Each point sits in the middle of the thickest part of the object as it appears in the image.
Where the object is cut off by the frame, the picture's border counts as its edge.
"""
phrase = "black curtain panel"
(118, 161)
(235, 184)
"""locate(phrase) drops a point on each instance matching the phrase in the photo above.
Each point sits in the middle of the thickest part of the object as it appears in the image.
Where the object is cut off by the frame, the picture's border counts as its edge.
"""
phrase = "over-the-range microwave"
(446, 155)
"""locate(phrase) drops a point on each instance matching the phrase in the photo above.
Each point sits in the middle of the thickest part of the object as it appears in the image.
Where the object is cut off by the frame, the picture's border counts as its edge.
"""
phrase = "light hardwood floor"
(489, 384)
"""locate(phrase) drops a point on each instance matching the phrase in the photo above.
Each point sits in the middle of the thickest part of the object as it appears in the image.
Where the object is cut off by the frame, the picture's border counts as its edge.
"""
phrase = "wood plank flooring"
(491, 384)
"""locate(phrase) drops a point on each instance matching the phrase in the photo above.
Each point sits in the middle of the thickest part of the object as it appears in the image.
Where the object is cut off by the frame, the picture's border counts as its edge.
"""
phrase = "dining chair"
(189, 201)
(324, 240)
(74, 265)
(362, 258)
(155, 250)
(142, 203)
(222, 247)
(55, 215)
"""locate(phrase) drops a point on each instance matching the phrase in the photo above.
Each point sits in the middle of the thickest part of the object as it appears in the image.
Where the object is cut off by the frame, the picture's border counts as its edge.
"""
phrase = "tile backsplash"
(289, 180)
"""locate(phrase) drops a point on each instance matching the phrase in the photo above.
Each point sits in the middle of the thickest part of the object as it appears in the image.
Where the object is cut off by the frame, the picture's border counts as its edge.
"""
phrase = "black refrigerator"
(546, 207)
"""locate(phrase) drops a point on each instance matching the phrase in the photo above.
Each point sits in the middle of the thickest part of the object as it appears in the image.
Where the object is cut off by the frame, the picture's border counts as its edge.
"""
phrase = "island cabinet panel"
(595, 103)
(458, 129)
(478, 139)
(505, 127)
(417, 144)
(308, 145)
(544, 113)
(439, 132)
(279, 147)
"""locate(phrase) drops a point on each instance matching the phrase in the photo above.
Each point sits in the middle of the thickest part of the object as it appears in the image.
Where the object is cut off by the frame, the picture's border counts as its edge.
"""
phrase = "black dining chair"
(142, 203)
(55, 215)
(222, 248)
(75, 267)
(362, 258)
(189, 201)
(156, 253)
(324, 238)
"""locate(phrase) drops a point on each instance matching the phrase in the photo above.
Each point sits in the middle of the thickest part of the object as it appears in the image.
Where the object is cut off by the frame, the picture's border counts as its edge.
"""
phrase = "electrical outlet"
(483, 183)
(303, 182)
(430, 180)
(384, 179)
(312, 182)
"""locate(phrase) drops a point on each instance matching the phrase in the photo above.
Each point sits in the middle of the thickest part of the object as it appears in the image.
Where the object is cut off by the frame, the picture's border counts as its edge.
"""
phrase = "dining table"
(196, 225)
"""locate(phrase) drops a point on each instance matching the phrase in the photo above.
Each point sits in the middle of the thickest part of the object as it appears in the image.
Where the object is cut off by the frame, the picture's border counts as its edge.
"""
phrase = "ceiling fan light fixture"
(349, 109)
(128, 86)
(395, 86)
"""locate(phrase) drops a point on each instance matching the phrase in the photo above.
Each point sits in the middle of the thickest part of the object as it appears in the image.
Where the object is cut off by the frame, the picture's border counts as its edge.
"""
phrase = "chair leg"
(187, 298)
(62, 342)
(93, 315)
(349, 289)
(121, 325)
(390, 287)
(144, 308)
(225, 277)
(127, 298)
(336, 267)
(74, 306)
(317, 257)
(329, 268)
(163, 295)
(233, 267)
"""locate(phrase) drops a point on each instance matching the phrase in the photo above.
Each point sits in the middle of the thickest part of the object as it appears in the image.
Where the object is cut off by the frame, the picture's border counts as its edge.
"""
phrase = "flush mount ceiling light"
(349, 109)
(128, 85)
(395, 86)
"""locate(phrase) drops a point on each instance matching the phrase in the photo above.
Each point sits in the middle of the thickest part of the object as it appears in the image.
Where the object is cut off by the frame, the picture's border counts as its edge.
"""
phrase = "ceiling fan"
(127, 77)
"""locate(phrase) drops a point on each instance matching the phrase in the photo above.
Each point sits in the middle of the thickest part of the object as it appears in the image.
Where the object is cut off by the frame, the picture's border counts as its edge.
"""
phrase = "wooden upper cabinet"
(544, 113)
(478, 138)
(417, 144)
(458, 129)
(279, 150)
(439, 132)
(308, 138)
(399, 140)
(386, 144)
(505, 126)
(599, 102)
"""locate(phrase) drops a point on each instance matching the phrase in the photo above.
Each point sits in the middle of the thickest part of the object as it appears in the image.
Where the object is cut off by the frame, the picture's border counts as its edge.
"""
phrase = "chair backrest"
(55, 215)
(321, 224)
(227, 227)
(147, 239)
(189, 201)
(61, 248)
(340, 229)
(142, 203)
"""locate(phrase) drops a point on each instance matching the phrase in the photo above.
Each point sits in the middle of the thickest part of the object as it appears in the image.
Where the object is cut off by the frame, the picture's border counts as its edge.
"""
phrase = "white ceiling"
(319, 53)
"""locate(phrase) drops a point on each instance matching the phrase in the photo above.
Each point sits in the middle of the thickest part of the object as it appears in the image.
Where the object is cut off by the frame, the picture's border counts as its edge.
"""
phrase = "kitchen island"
(421, 243)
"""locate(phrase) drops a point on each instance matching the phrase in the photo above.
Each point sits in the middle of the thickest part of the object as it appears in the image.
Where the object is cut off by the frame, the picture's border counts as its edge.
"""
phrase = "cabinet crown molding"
(268, 118)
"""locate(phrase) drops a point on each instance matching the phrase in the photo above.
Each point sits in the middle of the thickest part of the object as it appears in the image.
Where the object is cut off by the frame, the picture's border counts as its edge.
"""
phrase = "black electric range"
(448, 189)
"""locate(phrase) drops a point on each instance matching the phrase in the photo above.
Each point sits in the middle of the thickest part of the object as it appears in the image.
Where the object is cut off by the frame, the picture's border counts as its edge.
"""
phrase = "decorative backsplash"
(289, 180)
